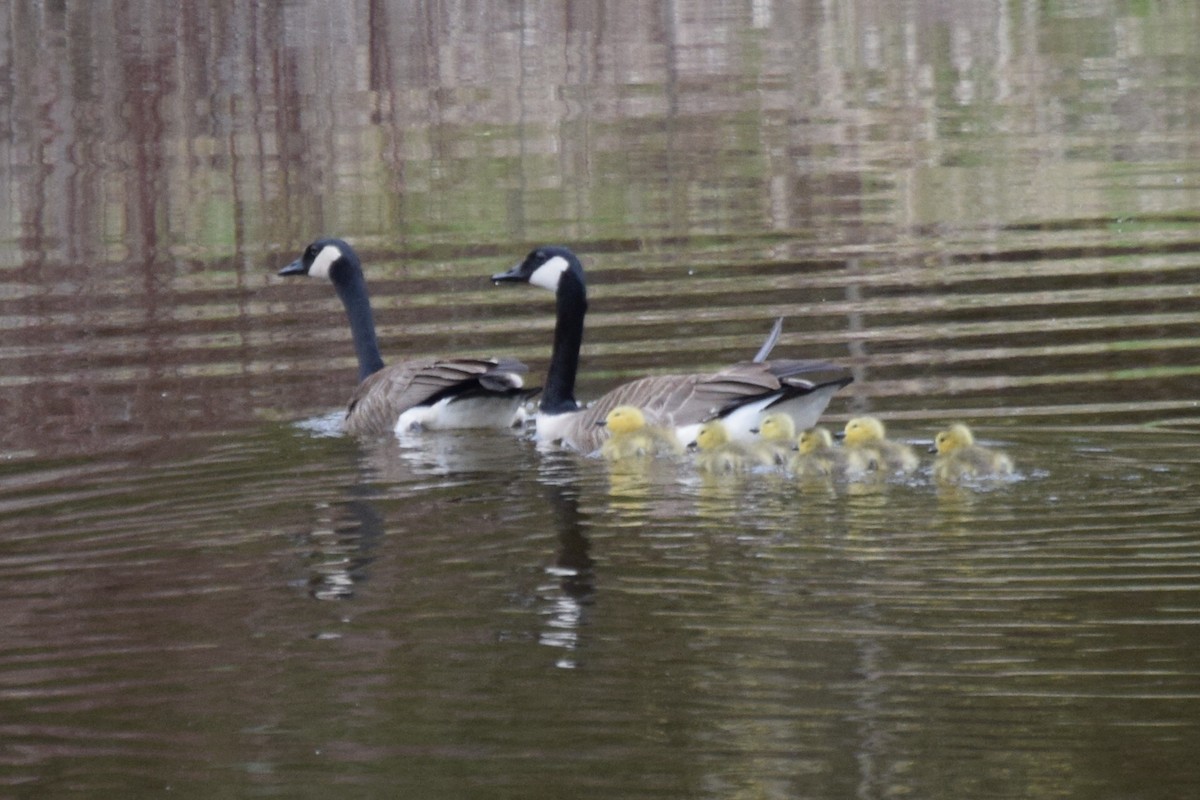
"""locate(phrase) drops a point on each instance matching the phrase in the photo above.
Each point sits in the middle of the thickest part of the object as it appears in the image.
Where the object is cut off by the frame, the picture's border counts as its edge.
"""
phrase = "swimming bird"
(868, 438)
(817, 456)
(715, 451)
(736, 394)
(630, 436)
(958, 457)
(776, 441)
(421, 393)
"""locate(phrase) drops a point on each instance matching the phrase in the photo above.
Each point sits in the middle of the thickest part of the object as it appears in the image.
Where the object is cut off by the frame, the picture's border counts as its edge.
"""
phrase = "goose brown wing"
(379, 400)
(720, 392)
(675, 400)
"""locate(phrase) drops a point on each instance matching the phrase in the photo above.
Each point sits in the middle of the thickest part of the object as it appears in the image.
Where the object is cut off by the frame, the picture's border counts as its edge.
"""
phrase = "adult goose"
(736, 394)
(432, 393)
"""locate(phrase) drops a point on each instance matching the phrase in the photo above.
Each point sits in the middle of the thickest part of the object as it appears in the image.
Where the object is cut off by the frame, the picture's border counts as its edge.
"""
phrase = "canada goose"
(958, 456)
(775, 444)
(715, 451)
(867, 436)
(424, 393)
(816, 456)
(631, 437)
(736, 394)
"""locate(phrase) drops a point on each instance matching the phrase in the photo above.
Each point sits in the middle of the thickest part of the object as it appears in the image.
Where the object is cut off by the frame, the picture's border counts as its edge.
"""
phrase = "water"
(986, 211)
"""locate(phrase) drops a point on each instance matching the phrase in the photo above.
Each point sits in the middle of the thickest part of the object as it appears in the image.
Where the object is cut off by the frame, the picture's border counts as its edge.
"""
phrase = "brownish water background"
(987, 210)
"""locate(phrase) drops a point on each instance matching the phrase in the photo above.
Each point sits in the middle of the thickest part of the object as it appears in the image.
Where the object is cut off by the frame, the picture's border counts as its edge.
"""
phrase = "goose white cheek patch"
(324, 261)
(547, 275)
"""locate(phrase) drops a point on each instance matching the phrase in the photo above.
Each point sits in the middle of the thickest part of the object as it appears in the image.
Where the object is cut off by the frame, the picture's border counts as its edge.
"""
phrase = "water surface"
(987, 212)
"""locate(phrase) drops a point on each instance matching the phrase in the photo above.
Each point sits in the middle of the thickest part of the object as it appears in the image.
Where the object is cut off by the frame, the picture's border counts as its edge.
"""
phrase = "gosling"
(959, 458)
(631, 436)
(715, 452)
(817, 457)
(775, 443)
(867, 437)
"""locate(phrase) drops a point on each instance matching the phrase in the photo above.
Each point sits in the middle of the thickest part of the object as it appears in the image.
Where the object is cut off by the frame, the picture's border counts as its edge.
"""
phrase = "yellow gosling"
(631, 437)
(816, 456)
(715, 452)
(959, 458)
(867, 437)
(773, 445)
(627, 435)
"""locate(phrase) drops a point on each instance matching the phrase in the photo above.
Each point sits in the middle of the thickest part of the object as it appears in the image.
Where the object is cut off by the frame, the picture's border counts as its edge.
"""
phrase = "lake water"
(988, 211)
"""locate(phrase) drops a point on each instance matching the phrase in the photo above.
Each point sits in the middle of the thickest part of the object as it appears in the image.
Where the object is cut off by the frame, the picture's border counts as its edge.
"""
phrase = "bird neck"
(352, 289)
(558, 395)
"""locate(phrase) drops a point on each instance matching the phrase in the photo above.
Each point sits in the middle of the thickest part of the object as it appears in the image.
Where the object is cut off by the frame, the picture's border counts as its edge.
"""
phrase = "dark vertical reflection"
(567, 605)
(146, 80)
(341, 548)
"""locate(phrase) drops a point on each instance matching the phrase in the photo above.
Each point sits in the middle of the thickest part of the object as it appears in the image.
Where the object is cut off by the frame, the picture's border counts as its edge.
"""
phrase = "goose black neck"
(559, 393)
(352, 288)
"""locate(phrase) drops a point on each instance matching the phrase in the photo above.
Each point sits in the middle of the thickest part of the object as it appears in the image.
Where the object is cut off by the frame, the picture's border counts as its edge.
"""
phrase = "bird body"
(715, 452)
(776, 441)
(737, 394)
(866, 438)
(959, 458)
(630, 436)
(816, 456)
(422, 393)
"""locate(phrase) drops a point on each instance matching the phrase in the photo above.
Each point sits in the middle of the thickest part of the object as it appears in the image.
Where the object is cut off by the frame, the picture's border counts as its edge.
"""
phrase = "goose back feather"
(486, 393)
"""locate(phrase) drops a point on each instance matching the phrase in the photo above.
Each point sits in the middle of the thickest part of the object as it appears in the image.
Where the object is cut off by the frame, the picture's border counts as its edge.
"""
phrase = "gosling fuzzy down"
(959, 458)
(631, 436)
(774, 444)
(817, 457)
(868, 437)
(715, 452)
